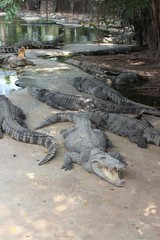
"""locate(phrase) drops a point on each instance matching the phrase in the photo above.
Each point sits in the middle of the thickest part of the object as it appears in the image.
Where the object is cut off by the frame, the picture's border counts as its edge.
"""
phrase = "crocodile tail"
(9, 49)
(152, 136)
(50, 143)
(154, 112)
(58, 117)
(19, 133)
(44, 140)
(124, 108)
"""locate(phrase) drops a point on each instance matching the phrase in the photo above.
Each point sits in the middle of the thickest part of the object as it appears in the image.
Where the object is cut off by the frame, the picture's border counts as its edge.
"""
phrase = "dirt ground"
(47, 203)
(141, 62)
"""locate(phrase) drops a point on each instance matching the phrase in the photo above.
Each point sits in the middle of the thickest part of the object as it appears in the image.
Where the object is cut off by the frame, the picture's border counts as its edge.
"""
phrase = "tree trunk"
(80, 6)
(48, 6)
(155, 25)
(63, 6)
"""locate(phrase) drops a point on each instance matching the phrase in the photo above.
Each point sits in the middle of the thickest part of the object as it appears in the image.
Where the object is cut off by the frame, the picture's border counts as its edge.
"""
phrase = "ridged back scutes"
(30, 44)
(92, 86)
(12, 128)
(58, 117)
(152, 136)
(65, 101)
(9, 49)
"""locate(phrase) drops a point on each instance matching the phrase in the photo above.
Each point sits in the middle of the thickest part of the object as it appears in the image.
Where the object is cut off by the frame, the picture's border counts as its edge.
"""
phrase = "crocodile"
(87, 146)
(100, 90)
(14, 61)
(12, 124)
(137, 131)
(89, 68)
(30, 44)
(108, 77)
(63, 101)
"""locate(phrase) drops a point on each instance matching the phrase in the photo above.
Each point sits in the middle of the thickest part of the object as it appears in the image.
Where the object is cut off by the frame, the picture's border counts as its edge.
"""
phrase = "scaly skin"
(138, 131)
(11, 123)
(87, 147)
(99, 90)
(65, 101)
(32, 45)
(102, 91)
(14, 61)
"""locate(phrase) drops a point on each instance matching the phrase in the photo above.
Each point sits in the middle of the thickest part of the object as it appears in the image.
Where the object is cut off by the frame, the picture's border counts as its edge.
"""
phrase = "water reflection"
(19, 30)
(7, 81)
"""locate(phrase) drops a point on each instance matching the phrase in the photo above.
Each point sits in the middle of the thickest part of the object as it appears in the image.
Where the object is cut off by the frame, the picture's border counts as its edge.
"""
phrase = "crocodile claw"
(68, 165)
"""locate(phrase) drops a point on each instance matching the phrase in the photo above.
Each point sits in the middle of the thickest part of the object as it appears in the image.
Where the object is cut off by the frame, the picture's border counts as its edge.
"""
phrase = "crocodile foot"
(68, 165)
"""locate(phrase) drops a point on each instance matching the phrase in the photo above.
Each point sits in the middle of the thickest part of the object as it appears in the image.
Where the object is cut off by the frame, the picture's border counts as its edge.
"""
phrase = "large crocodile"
(87, 147)
(107, 77)
(13, 61)
(100, 90)
(138, 131)
(31, 44)
(12, 123)
(89, 68)
(65, 101)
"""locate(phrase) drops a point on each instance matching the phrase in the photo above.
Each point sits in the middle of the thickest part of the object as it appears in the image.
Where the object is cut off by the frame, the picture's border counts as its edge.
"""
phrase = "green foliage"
(131, 13)
(126, 8)
(10, 7)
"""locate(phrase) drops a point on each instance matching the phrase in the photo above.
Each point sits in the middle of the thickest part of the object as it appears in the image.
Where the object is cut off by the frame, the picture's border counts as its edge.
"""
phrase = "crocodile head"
(36, 92)
(40, 94)
(107, 167)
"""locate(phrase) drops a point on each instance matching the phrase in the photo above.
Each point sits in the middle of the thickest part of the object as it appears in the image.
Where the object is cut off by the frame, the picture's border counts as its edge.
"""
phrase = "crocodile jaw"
(109, 175)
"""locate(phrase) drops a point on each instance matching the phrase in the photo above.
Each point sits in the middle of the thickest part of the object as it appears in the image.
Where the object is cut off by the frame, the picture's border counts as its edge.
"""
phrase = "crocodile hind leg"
(69, 158)
(109, 144)
(136, 136)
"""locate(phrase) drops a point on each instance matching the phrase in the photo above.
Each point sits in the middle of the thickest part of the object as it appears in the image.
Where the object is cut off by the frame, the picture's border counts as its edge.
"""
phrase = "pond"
(19, 30)
(41, 30)
(7, 81)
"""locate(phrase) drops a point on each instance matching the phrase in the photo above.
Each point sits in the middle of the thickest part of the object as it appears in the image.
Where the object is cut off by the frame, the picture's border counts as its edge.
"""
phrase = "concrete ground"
(48, 203)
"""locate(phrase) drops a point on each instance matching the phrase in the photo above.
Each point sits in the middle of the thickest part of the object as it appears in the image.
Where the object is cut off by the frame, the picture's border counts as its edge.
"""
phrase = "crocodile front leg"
(69, 158)
(109, 144)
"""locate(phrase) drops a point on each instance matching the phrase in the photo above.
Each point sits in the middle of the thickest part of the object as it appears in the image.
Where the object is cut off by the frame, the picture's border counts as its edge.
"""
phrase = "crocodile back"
(84, 138)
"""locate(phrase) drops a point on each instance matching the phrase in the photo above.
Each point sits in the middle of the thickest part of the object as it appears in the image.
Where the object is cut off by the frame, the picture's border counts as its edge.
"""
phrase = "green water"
(19, 30)
(7, 81)
(41, 30)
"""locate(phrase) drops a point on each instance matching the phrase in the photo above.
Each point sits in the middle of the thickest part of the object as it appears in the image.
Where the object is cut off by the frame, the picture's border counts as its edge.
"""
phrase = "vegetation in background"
(11, 7)
(143, 15)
